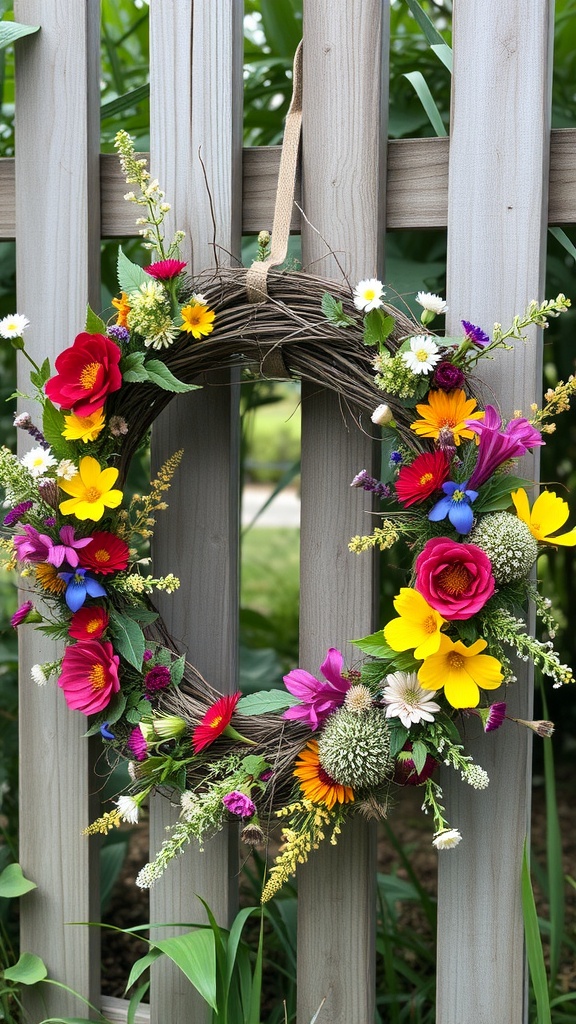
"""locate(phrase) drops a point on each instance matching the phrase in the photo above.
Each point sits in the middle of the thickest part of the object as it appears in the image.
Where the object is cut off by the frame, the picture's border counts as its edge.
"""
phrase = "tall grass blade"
(256, 994)
(553, 858)
(194, 953)
(420, 86)
(430, 31)
(560, 235)
(124, 102)
(534, 951)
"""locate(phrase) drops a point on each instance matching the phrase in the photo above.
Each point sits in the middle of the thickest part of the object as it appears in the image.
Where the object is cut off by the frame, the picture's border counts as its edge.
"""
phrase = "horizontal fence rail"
(417, 191)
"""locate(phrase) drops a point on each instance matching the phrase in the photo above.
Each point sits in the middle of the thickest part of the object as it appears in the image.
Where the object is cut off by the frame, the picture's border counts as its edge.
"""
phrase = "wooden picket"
(495, 204)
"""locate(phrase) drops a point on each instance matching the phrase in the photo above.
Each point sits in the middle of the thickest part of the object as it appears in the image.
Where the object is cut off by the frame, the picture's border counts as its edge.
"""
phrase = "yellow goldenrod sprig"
(556, 400)
(383, 537)
(304, 833)
(104, 824)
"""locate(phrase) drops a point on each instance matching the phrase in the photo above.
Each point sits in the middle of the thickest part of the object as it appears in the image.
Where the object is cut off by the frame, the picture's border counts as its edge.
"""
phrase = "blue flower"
(456, 505)
(475, 334)
(79, 587)
(105, 731)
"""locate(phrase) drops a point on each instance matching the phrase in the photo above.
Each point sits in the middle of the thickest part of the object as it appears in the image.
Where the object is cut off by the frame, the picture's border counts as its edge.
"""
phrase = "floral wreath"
(321, 749)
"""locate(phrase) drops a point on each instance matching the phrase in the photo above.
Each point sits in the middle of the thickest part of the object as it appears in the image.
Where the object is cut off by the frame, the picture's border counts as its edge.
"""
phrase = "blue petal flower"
(105, 732)
(79, 587)
(456, 506)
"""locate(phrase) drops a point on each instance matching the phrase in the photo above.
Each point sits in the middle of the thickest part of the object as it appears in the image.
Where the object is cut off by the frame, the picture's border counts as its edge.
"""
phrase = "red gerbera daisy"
(422, 477)
(105, 553)
(87, 373)
(89, 676)
(215, 722)
(88, 623)
(164, 270)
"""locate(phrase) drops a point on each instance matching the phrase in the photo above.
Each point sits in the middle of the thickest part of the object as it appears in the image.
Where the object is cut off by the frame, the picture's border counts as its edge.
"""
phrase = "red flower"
(105, 553)
(456, 579)
(164, 270)
(405, 773)
(87, 372)
(422, 477)
(215, 722)
(88, 623)
(89, 676)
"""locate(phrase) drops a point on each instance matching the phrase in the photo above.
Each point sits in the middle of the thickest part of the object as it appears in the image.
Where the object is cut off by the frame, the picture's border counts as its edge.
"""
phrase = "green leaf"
(112, 714)
(130, 275)
(124, 102)
(430, 31)
(494, 496)
(398, 736)
(265, 701)
(560, 235)
(534, 952)
(177, 670)
(132, 361)
(419, 752)
(28, 971)
(334, 311)
(129, 638)
(195, 955)
(378, 326)
(158, 373)
(375, 645)
(372, 673)
(12, 30)
(94, 325)
(144, 615)
(52, 426)
(13, 883)
(420, 86)
(444, 53)
(142, 965)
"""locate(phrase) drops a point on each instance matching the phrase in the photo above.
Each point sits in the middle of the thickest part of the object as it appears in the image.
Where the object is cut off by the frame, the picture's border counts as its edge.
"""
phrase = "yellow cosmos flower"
(447, 410)
(460, 670)
(84, 428)
(549, 513)
(91, 491)
(198, 320)
(123, 307)
(418, 627)
(316, 784)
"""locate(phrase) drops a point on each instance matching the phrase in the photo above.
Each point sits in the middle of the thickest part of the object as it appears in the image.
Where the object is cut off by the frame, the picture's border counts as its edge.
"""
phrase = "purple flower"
(495, 717)
(67, 551)
(32, 546)
(17, 513)
(447, 376)
(118, 333)
(21, 613)
(370, 483)
(456, 505)
(158, 678)
(475, 334)
(148, 655)
(50, 521)
(137, 745)
(80, 586)
(497, 446)
(396, 458)
(238, 803)
(317, 699)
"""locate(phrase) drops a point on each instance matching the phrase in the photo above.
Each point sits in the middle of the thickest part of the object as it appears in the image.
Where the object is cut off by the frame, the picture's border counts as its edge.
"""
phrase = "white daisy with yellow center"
(368, 295)
(422, 355)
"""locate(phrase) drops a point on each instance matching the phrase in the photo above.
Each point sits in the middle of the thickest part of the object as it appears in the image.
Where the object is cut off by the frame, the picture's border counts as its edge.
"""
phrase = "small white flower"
(128, 808)
(66, 469)
(13, 326)
(423, 354)
(131, 768)
(38, 675)
(433, 303)
(199, 299)
(407, 700)
(446, 839)
(368, 295)
(37, 461)
(382, 415)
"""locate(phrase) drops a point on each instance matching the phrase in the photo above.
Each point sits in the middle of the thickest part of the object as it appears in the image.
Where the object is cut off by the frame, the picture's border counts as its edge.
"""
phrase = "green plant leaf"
(534, 950)
(28, 971)
(130, 275)
(398, 736)
(560, 235)
(94, 324)
(420, 86)
(378, 326)
(444, 53)
(194, 953)
(12, 30)
(334, 311)
(142, 965)
(177, 670)
(494, 496)
(52, 426)
(158, 373)
(124, 102)
(132, 368)
(265, 701)
(113, 712)
(13, 882)
(129, 638)
(430, 31)
(419, 752)
(143, 615)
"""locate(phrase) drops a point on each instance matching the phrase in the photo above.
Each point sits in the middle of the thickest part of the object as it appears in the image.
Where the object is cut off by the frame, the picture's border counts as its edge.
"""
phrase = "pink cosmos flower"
(456, 579)
(238, 803)
(164, 270)
(497, 445)
(32, 546)
(89, 676)
(317, 700)
(67, 551)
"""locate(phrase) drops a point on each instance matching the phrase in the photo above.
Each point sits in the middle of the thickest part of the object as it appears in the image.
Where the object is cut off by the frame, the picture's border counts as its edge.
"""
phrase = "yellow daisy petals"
(461, 670)
(84, 428)
(417, 627)
(548, 514)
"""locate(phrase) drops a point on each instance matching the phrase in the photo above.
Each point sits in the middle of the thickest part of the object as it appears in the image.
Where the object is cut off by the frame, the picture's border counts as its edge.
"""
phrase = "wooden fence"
(489, 184)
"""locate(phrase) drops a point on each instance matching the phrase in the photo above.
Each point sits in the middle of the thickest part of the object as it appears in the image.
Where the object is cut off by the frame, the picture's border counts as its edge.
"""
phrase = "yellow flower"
(460, 670)
(48, 579)
(447, 410)
(123, 307)
(91, 491)
(198, 319)
(315, 783)
(549, 513)
(84, 428)
(419, 625)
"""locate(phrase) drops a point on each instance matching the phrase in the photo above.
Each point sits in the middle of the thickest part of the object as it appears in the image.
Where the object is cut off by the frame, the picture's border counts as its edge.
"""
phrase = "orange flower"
(48, 579)
(123, 307)
(447, 410)
(316, 784)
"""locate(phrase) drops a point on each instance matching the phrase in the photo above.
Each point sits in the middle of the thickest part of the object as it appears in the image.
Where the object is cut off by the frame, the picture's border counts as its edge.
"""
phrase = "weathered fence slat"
(496, 243)
(58, 254)
(196, 107)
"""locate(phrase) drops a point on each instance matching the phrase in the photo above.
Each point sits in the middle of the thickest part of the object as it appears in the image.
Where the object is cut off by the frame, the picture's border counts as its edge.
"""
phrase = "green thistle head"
(354, 748)
(508, 543)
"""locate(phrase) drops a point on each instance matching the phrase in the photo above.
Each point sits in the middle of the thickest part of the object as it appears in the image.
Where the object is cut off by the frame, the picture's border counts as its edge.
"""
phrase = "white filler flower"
(368, 295)
(407, 700)
(422, 355)
(433, 303)
(446, 839)
(382, 415)
(128, 809)
(13, 326)
(38, 461)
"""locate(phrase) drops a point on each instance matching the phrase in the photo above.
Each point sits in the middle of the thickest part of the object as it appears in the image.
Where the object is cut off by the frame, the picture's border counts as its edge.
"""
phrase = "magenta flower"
(158, 678)
(137, 744)
(17, 513)
(67, 551)
(317, 699)
(496, 714)
(32, 546)
(21, 613)
(455, 578)
(497, 445)
(164, 270)
(447, 376)
(238, 803)
(89, 676)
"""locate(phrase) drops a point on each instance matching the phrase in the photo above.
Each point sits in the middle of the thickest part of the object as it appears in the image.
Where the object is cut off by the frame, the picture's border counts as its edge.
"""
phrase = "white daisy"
(198, 299)
(128, 808)
(446, 839)
(422, 355)
(433, 303)
(13, 326)
(66, 469)
(368, 295)
(37, 461)
(38, 675)
(382, 415)
(407, 700)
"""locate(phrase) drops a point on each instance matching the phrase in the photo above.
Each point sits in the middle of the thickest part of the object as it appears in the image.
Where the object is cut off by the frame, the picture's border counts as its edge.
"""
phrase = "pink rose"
(455, 578)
